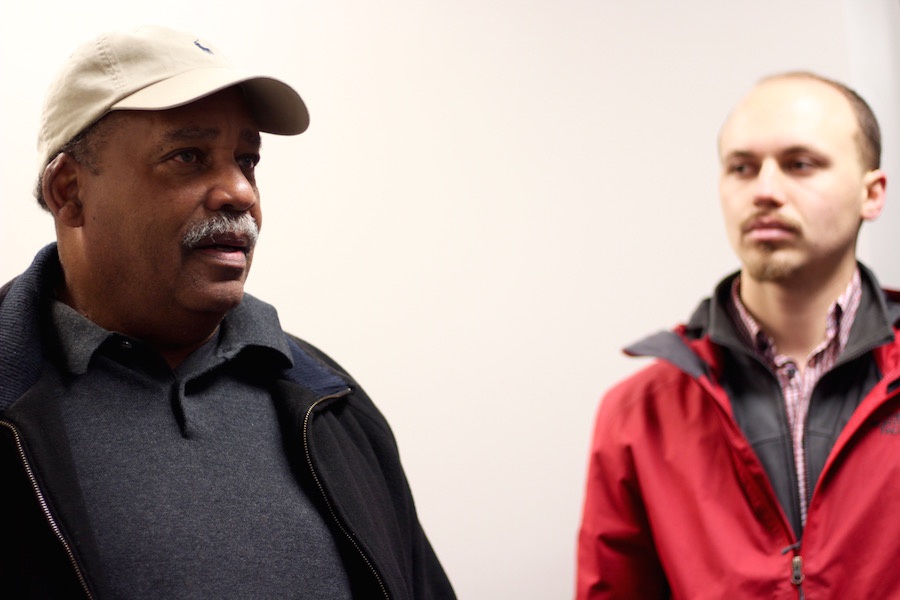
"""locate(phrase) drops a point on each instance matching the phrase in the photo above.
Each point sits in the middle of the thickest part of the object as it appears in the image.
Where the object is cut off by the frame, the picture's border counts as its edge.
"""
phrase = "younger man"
(758, 457)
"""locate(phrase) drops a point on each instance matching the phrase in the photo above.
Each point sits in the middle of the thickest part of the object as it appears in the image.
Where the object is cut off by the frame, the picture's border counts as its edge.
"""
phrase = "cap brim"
(277, 107)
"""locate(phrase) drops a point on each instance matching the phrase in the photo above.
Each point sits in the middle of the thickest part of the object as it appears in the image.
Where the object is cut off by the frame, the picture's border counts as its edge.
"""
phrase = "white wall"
(874, 50)
(493, 197)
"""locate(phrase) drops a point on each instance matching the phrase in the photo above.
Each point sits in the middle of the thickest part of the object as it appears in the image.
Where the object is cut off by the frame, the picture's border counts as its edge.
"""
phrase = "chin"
(771, 270)
(218, 300)
(770, 263)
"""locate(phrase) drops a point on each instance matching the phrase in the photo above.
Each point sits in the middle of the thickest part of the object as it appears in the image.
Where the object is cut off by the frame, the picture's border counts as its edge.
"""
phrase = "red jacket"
(678, 504)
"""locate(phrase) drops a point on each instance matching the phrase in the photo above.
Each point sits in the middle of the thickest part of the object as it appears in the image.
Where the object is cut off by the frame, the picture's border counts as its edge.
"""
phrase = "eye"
(800, 165)
(741, 168)
(186, 156)
(248, 162)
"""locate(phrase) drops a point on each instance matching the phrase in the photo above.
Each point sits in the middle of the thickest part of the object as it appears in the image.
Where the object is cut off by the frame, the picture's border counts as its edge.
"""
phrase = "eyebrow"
(791, 150)
(738, 154)
(197, 134)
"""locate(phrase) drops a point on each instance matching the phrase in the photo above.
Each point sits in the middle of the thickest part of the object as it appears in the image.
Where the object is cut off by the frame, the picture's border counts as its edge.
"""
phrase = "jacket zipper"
(797, 576)
(807, 483)
(315, 476)
(46, 509)
(797, 570)
(803, 450)
(803, 503)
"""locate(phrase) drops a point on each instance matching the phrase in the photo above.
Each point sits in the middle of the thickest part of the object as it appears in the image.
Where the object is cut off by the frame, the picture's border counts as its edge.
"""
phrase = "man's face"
(159, 174)
(792, 184)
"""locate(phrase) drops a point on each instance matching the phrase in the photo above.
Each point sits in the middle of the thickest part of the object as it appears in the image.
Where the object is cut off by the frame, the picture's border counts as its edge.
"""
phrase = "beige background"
(493, 197)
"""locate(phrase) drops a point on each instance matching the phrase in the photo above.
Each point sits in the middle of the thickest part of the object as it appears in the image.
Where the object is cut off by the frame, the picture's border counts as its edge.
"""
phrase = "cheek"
(830, 226)
(104, 227)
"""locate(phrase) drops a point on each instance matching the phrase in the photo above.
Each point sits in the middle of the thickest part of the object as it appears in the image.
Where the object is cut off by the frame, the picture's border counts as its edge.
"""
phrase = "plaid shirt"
(796, 385)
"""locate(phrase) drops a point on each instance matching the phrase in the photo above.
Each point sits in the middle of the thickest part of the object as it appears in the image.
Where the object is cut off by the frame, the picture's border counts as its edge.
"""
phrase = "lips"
(223, 232)
(767, 228)
(225, 242)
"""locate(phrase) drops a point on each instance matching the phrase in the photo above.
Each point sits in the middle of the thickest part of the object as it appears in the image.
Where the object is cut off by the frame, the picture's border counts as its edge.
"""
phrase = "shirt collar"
(77, 336)
(839, 318)
(251, 325)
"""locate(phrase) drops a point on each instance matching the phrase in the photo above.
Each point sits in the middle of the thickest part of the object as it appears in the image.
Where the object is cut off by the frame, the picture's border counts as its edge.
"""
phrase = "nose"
(231, 189)
(769, 184)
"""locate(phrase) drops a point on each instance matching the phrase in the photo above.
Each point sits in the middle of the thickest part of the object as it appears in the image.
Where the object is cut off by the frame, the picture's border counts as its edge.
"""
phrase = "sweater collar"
(252, 325)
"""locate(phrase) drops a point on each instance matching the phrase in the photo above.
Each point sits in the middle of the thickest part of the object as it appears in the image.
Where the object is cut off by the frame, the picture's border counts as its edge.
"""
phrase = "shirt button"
(126, 345)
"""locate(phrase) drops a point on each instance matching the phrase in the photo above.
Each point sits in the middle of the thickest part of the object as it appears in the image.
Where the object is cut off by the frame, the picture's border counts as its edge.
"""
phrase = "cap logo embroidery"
(202, 47)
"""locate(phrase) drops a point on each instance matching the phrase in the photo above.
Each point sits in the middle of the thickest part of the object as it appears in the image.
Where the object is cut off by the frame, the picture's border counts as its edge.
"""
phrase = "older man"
(160, 435)
(758, 457)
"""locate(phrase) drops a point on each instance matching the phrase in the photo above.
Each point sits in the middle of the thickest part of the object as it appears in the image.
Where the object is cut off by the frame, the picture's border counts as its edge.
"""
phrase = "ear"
(61, 191)
(875, 182)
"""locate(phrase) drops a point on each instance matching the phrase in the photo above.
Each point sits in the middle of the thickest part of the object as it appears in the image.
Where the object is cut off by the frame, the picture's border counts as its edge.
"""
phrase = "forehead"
(790, 112)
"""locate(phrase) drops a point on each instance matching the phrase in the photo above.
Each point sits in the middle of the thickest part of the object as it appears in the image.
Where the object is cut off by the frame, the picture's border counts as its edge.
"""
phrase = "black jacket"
(351, 469)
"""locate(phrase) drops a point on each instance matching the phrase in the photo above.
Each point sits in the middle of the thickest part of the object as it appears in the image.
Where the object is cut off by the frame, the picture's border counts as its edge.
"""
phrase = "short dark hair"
(84, 148)
(869, 136)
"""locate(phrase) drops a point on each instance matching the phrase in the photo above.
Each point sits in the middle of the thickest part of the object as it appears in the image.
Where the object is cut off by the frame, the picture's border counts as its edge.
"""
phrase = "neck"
(794, 313)
(174, 338)
(175, 354)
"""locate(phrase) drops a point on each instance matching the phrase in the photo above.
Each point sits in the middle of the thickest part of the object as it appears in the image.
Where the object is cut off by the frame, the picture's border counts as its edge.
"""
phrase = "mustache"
(241, 225)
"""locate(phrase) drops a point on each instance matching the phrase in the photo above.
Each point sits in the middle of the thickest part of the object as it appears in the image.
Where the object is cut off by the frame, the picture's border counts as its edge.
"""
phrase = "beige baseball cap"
(154, 68)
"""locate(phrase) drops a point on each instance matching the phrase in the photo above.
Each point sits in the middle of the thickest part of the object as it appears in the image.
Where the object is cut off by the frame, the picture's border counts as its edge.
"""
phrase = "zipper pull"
(797, 570)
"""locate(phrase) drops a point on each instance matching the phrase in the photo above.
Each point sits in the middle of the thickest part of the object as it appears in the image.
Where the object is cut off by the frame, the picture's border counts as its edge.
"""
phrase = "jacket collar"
(876, 318)
(20, 334)
(878, 314)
